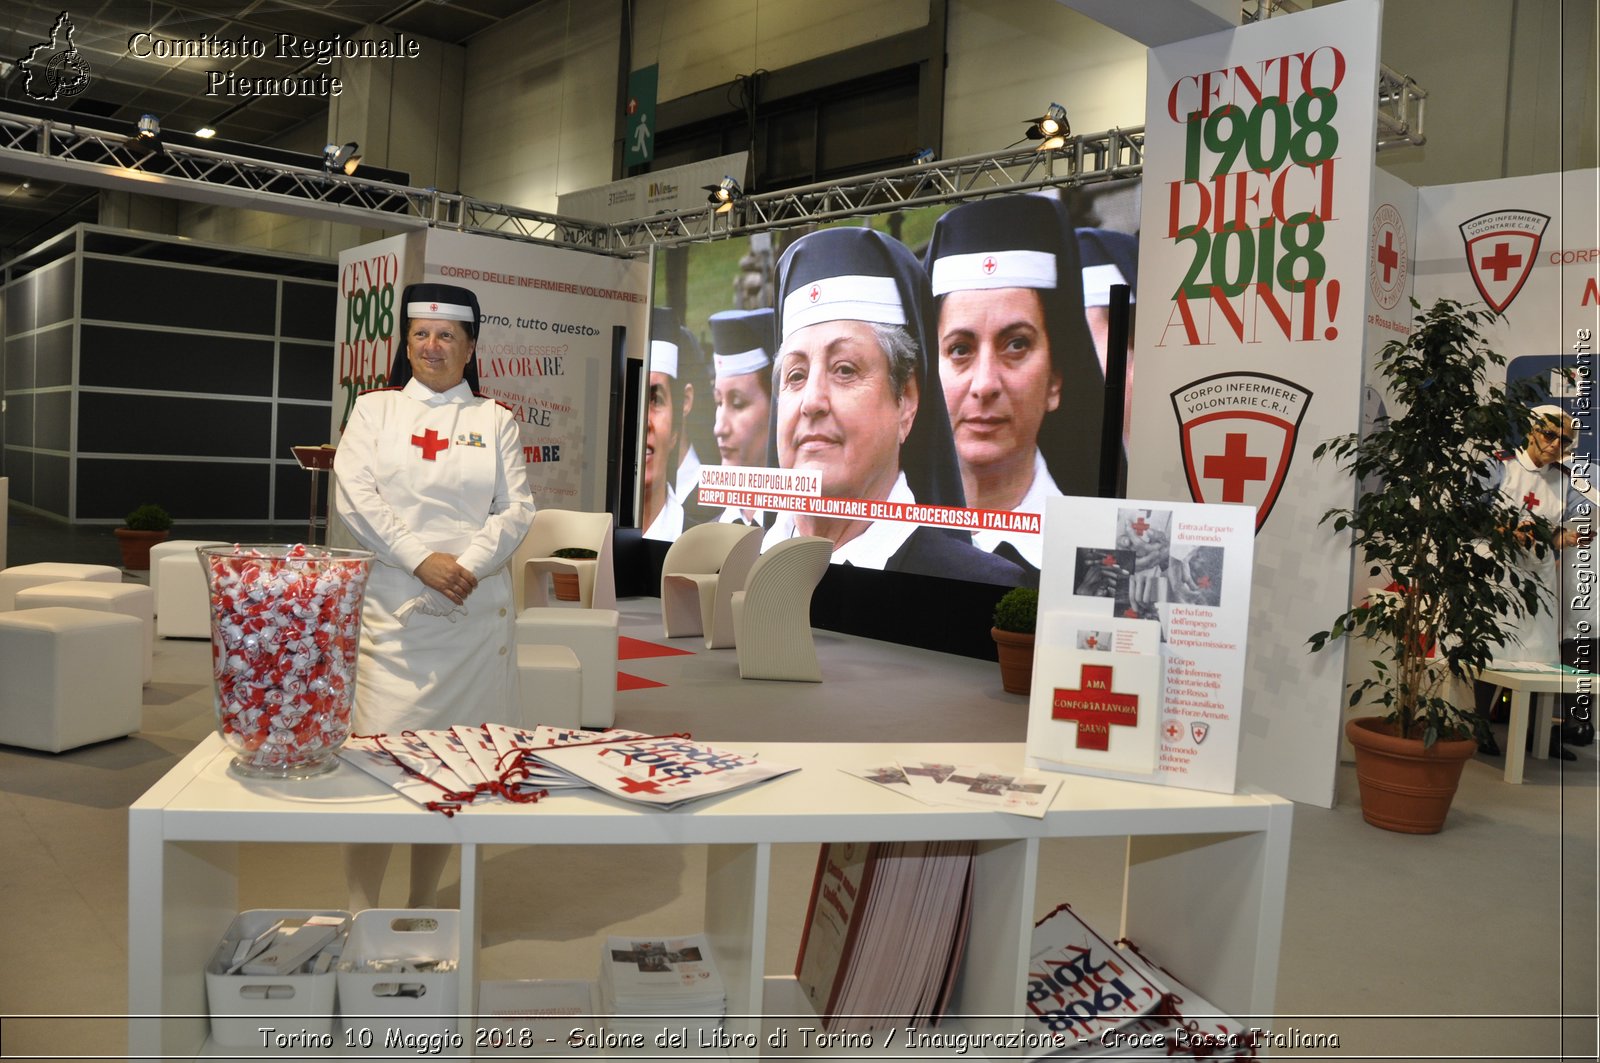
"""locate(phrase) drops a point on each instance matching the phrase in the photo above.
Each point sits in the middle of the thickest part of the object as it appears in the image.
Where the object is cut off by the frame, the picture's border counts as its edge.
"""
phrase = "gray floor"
(1471, 944)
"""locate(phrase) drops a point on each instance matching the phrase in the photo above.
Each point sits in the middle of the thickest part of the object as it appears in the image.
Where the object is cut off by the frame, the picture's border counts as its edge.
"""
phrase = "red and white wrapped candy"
(285, 633)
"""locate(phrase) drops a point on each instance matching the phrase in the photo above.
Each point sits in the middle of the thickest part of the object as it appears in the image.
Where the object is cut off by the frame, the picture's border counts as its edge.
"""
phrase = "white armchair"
(699, 576)
(772, 615)
(553, 529)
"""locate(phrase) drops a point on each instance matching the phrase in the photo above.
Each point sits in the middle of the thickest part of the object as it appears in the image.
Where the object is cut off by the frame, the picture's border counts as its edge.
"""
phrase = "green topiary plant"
(148, 517)
(1018, 611)
(1424, 518)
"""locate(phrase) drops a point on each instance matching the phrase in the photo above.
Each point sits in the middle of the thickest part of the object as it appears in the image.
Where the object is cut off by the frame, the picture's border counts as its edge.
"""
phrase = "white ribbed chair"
(772, 615)
(699, 576)
(554, 529)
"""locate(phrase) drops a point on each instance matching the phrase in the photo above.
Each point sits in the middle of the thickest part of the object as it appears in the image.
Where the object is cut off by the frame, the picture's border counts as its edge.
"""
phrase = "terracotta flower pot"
(136, 546)
(566, 584)
(1405, 787)
(1016, 660)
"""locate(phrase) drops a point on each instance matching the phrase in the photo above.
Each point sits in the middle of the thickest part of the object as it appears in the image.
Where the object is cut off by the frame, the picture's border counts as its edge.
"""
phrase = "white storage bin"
(239, 1002)
(387, 1003)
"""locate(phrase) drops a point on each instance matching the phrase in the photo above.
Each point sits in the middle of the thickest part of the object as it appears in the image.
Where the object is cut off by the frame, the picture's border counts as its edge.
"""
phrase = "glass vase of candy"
(285, 633)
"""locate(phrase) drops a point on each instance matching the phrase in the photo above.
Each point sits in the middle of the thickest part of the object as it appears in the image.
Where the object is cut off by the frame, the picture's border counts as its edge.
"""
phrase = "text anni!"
(1257, 194)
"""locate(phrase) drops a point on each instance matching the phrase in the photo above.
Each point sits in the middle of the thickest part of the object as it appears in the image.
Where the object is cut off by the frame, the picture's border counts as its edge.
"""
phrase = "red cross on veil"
(431, 443)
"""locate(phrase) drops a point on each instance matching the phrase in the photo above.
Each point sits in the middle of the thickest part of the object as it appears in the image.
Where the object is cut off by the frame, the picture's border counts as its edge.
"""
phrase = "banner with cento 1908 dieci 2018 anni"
(1257, 186)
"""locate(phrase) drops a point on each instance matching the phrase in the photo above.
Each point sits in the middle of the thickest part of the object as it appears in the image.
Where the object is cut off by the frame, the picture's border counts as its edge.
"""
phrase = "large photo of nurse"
(949, 361)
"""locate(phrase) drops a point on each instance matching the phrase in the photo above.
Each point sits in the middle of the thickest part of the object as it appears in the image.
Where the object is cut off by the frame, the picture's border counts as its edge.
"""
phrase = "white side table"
(1522, 686)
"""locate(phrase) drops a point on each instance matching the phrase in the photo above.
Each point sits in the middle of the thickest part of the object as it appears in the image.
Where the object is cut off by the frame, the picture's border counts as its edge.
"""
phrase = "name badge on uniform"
(470, 439)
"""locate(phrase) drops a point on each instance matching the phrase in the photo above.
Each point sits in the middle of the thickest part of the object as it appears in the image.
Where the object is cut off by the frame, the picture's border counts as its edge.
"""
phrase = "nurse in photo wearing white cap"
(1014, 354)
(855, 399)
(669, 401)
(431, 479)
(742, 342)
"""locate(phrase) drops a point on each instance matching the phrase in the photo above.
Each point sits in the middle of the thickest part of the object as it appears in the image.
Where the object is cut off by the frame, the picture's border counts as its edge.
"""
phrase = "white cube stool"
(129, 599)
(592, 635)
(182, 597)
(20, 577)
(172, 548)
(68, 677)
(550, 686)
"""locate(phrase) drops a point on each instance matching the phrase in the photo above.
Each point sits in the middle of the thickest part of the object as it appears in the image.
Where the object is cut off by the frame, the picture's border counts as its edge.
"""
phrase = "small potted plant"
(1454, 550)
(566, 583)
(1015, 617)
(142, 529)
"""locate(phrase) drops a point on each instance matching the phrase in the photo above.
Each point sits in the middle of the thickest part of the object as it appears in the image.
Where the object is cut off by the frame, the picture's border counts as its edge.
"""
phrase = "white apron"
(420, 472)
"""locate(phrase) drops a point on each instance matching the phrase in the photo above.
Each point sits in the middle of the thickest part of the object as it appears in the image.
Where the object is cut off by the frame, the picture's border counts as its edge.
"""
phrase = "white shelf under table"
(1204, 886)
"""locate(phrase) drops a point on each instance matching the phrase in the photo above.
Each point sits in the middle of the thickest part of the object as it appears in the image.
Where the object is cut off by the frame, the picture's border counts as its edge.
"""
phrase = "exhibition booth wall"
(141, 368)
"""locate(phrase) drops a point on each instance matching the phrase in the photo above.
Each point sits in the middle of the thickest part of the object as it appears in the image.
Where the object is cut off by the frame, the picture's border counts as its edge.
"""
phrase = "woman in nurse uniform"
(431, 479)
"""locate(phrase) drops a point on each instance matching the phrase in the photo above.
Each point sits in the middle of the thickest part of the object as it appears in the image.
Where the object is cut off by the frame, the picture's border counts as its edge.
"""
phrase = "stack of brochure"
(650, 984)
(467, 767)
(885, 932)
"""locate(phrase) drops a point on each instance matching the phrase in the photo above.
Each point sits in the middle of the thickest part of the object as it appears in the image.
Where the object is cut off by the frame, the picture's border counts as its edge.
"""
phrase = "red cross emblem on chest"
(1094, 708)
(431, 443)
(1530, 500)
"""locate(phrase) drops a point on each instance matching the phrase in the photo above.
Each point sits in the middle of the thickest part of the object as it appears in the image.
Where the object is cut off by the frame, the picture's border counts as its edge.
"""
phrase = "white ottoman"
(19, 577)
(170, 548)
(550, 686)
(129, 599)
(182, 598)
(592, 635)
(68, 677)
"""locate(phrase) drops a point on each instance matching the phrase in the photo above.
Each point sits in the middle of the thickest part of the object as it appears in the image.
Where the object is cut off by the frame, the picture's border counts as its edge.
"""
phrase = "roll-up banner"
(544, 342)
(1258, 172)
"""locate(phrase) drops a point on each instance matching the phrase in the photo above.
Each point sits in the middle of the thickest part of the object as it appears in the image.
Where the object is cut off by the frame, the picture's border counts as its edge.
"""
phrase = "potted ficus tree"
(1016, 616)
(1454, 549)
(143, 528)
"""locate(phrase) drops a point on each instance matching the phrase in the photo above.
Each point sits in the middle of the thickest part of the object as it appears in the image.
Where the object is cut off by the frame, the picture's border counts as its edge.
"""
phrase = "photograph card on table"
(1183, 567)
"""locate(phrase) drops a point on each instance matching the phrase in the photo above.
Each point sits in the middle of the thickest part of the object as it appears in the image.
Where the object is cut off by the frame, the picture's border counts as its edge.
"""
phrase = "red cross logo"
(1174, 732)
(1388, 258)
(1204, 583)
(1502, 262)
(1234, 467)
(433, 306)
(431, 444)
(1094, 708)
(1530, 500)
(1140, 526)
(1502, 249)
(1109, 561)
(629, 786)
(815, 293)
(1091, 642)
(989, 264)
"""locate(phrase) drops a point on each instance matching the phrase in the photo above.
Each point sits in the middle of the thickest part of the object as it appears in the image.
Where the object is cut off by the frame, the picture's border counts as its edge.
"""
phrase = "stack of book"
(1089, 999)
(648, 984)
(885, 932)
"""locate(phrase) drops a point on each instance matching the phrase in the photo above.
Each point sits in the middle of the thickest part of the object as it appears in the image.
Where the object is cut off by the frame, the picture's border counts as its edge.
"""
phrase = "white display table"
(1523, 685)
(1204, 888)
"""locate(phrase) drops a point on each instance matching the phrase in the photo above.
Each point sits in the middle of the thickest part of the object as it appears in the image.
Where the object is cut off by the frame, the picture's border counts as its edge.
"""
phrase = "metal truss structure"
(76, 154)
